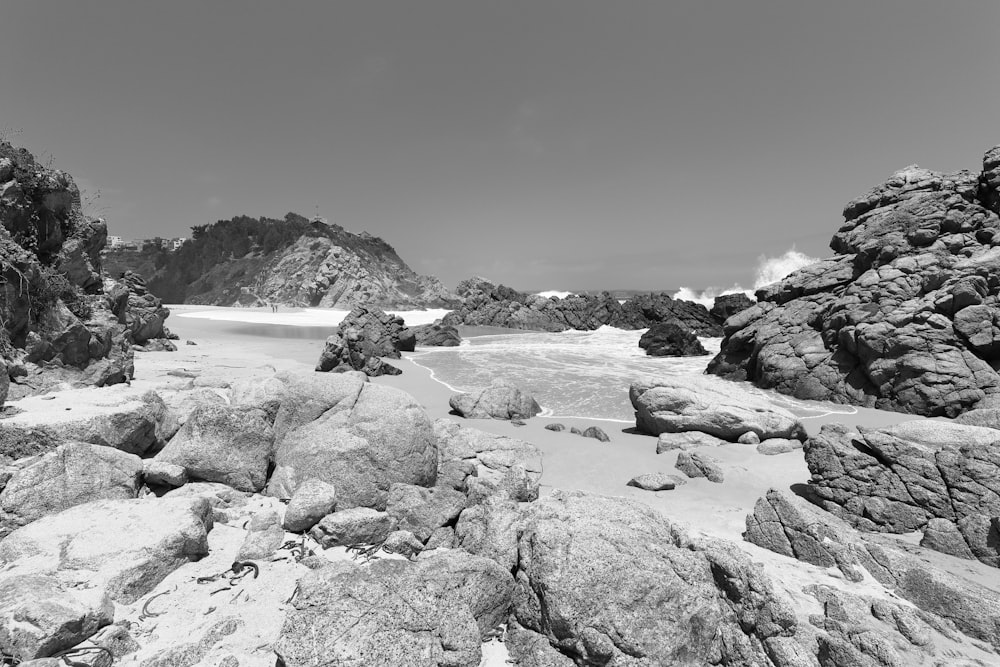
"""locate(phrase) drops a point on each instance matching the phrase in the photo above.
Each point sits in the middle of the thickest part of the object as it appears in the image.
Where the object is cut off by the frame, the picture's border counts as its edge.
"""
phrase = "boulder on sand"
(694, 465)
(709, 405)
(501, 400)
(435, 335)
(363, 337)
(231, 445)
(361, 447)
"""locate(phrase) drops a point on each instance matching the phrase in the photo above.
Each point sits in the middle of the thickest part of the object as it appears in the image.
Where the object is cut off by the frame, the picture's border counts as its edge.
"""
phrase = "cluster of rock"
(367, 334)
(61, 322)
(903, 317)
(595, 432)
(484, 303)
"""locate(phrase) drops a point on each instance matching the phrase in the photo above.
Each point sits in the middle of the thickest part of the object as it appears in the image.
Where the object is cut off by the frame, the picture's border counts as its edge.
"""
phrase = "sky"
(545, 144)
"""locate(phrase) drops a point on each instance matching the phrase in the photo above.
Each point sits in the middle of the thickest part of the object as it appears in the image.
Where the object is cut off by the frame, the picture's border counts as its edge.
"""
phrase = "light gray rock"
(749, 438)
(264, 536)
(182, 403)
(667, 442)
(361, 447)
(161, 473)
(312, 501)
(484, 464)
(653, 481)
(722, 409)
(491, 530)
(501, 400)
(773, 446)
(357, 525)
(698, 465)
(233, 446)
(40, 615)
(442, 538)
(423, 510)
(432, 611)
(124, 546)
(596, 433)
(73, 474)
(404, 543)
(944, 536)
(305, 397)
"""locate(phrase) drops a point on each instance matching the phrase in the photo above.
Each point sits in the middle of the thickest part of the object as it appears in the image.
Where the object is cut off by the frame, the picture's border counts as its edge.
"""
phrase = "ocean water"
(578, 373)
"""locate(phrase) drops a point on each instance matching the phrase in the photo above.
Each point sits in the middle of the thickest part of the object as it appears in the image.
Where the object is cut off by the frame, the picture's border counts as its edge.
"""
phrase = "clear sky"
(547, 144)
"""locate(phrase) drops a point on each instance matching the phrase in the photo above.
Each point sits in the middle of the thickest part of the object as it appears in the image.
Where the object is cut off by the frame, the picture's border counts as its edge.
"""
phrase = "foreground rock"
(433, 611)
(674, 405)
(483, 465)
(899, 478)
(788, 525)
(901, 318)
(73, 474)
(501, 400)
(360, 438)
(362, 339)
(671, 339)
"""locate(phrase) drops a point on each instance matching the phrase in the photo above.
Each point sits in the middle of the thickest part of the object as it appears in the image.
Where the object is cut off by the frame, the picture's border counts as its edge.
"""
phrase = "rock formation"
(60, 322)
(294, 261)
(671, 339)
(727, 305)
(362, 339)
(501, 400)
(902, 318)
(484, 303)
(435, 335)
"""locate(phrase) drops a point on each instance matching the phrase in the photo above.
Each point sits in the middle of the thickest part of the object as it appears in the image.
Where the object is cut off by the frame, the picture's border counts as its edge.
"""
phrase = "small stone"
(597, 433)
(161, 473)
(666, 442)
(357, 525)
(312, 501)
(191, 342)
(263, 538)
(518, 422)
(555, 427)
(654, 481)
(749, 438)
(697, 465)
(404, 543)
(773, 446)
(576, 431)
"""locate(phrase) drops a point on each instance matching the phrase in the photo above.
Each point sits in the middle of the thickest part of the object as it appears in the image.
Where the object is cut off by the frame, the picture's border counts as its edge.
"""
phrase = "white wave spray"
(769, 270)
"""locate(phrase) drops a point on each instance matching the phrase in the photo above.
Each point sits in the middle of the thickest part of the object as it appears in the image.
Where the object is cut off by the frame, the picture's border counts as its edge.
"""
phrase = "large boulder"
(361, 446)
(435, 335)
(671, 339)
(501, 400)
(363, 337)
(484, 464)
(73, 474)
(421, 510)
(125, 547)
(433, 611)
(899, 478)
(727, 305)
(232, 445)
(901, 318)
(722, 409)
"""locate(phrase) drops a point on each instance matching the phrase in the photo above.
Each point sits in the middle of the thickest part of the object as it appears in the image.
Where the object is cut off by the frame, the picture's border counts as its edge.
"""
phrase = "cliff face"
(252, 261)
(906, 315)
(60, 322)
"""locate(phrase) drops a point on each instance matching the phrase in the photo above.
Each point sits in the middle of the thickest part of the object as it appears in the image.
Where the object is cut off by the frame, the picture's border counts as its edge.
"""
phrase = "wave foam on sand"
(300, 317)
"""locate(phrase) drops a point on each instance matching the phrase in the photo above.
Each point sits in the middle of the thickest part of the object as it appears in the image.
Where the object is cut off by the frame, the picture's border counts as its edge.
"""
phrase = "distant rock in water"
(904, 317)
(484, 303)
(671, 339)
(362, 339)
(294, 261)
(435, 335)
(727, 305)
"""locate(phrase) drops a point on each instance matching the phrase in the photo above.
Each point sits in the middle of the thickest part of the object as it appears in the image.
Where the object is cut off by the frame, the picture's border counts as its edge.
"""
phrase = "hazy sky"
(571, 144)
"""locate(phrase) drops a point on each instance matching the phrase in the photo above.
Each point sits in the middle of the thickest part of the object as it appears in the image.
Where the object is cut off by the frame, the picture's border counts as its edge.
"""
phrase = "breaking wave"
(769, 270)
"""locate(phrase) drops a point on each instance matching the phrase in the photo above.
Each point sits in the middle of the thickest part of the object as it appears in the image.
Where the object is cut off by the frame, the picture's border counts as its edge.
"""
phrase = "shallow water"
(577, 373)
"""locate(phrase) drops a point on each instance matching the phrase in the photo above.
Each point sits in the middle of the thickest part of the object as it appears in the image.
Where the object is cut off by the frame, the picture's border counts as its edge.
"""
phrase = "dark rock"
(501, 400)
(671, 339)
(727, 305)
(697, 465)
(902, 318)
(363, 337)
(575, 431)
(597, 433)
(435, 335)
(555, 427)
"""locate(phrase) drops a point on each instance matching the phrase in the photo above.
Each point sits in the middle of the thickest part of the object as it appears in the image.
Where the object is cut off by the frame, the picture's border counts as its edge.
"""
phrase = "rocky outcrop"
(727, 305)
(901, 318)
(362, 339)
(671, 339)
(294, 261)
(142, 313)
(673, 405)
(788, 525)
(435, 335)
(484, 303)
(898, 479)
(59, 323)
(501, 400)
